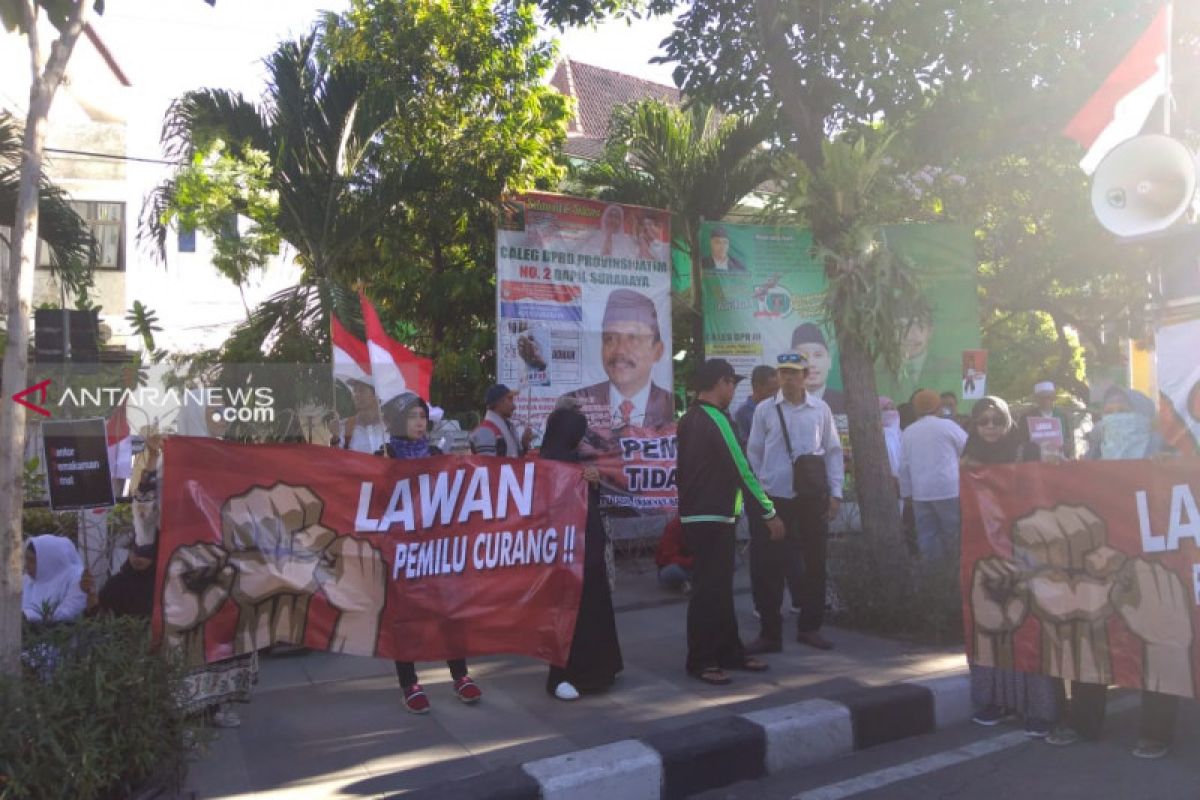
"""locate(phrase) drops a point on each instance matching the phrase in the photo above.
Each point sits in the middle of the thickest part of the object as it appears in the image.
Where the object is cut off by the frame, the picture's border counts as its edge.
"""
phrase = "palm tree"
(72, 246)
(315, 126)
(692, 161)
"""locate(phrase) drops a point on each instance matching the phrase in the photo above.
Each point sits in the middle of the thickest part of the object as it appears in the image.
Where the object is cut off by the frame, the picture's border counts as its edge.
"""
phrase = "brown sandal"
(750, 664)
(714, 676)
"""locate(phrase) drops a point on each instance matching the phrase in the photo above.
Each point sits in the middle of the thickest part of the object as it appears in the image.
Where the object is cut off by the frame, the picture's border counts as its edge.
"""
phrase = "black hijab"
(565, 428)
(1005, 450)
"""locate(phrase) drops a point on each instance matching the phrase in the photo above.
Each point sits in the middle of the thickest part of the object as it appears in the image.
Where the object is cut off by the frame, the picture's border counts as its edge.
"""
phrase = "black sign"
(75, 452)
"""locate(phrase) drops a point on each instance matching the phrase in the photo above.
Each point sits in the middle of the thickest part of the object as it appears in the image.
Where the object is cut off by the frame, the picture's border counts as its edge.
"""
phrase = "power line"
(112, 156)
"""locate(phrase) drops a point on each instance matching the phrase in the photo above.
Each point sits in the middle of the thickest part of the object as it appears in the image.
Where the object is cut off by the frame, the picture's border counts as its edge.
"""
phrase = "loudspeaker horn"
(1145, 185)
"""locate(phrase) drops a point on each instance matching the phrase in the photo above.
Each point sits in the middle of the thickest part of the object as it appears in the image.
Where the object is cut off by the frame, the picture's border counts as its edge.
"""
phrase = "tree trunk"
(877, 498)
(18, 296)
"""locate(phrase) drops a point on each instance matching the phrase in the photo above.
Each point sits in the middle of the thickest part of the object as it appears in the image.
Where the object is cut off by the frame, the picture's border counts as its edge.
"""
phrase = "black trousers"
(406, 671)
(801, 549)
(712, 630)
(1089, 701)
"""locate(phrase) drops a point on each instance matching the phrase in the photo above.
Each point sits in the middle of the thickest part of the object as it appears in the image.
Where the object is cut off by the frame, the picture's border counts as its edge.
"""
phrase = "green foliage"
(96, 719)
(872, 595)
(143, 323)
(470, 118)
(211, 193)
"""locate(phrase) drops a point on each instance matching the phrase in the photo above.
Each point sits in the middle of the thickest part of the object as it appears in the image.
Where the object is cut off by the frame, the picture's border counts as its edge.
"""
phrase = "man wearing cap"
(791, 426)
(496, 435)
(714, 478)
(718, 247)
(809, 341)
(1044, 394)
(630, 345)
(930, 449)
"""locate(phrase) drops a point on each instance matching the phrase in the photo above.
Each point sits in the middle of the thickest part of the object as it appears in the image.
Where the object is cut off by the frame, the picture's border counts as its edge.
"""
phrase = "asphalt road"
(969, 762)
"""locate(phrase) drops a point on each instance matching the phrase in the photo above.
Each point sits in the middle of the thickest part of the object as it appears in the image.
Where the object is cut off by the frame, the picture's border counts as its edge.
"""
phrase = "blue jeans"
(672, 576)
(939, 529)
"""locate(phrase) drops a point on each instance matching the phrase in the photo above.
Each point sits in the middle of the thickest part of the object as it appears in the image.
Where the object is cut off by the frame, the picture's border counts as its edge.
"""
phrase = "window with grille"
(107, 223)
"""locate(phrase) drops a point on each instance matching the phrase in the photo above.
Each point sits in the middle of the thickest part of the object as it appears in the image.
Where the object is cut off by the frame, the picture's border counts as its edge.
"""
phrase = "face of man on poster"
(629, 351)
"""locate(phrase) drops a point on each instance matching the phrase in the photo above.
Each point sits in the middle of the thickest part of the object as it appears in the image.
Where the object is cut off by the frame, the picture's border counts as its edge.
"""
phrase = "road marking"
(915, 768)
(933, 763)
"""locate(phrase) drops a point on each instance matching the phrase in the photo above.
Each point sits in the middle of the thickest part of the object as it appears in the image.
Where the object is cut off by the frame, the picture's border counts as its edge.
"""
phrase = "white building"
(101, 149)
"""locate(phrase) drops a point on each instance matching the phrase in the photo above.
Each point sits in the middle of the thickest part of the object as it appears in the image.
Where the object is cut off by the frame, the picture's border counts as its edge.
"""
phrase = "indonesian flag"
(396, 369)
(1179, 385)
(351, 362)
(120, 443)
(1119, 109)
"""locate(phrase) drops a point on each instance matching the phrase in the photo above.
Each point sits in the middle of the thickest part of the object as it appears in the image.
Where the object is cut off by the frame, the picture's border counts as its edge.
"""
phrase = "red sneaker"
(467, 690)
(415, 700)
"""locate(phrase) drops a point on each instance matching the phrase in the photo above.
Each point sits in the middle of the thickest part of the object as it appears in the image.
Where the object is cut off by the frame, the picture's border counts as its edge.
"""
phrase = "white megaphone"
(1144, 186)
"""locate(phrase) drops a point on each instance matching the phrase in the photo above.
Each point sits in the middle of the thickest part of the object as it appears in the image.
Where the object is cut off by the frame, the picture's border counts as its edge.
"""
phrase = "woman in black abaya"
(595, 657)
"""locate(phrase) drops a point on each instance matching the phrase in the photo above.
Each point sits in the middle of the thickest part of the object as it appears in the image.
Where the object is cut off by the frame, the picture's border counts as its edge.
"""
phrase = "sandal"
(714, 676)
(750, 664)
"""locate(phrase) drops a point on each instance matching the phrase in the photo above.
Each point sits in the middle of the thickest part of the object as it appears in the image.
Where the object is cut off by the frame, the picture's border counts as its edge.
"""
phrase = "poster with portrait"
(974, 374)
(1179, 384)
(764, 294)
(583, 290)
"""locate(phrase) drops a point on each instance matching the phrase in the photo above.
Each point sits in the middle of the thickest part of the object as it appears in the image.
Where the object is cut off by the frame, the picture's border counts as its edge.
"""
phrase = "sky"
(167, 47)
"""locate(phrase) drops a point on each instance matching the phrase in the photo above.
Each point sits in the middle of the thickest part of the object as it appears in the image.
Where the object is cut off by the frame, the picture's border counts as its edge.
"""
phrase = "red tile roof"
(597, 92)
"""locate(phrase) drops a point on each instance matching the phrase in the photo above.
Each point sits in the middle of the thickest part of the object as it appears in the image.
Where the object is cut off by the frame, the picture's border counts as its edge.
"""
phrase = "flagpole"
(1167, 98)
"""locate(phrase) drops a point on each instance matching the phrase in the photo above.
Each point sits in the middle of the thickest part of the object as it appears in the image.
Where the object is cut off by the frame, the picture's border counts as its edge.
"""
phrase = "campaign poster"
(408, 559)
(764, 294)
(583, 291)
(974, 374)
(1087, 571)
(942, 257)
(1175, 348)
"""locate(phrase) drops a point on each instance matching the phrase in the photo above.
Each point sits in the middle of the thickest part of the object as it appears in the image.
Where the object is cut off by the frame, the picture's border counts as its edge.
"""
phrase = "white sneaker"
(565, 691)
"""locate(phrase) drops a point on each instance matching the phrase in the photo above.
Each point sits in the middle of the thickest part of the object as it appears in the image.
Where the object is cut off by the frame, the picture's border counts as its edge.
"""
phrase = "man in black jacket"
(714, 476)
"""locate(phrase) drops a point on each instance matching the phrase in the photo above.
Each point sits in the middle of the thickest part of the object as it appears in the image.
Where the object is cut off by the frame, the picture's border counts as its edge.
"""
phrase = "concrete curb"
(709, 755)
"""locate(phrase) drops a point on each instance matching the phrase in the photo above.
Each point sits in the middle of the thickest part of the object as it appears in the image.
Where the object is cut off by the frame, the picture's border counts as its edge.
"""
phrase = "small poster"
(75, 452)
(1047, 434)
(974, 374)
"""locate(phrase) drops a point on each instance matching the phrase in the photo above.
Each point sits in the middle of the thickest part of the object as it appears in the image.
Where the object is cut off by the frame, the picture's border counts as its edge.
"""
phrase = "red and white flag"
(120, 443)
(351, 362)
(396, 369)
(1119, 109)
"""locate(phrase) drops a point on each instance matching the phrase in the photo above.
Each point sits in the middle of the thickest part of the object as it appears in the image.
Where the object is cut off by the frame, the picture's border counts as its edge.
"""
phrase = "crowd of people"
(778, 459)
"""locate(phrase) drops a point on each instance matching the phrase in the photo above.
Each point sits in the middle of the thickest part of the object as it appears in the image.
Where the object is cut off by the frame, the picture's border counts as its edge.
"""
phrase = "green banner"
(764, 294)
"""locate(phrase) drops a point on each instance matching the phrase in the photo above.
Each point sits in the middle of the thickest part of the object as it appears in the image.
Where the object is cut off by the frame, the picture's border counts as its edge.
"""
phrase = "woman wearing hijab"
(1001, 694)
(407, 419)
(50, 590)
(595, 657)
(1127, 432)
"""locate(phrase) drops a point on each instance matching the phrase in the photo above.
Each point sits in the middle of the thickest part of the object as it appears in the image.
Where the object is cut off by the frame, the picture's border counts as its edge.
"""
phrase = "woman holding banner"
(1001, 694)
(407, 419)
(595, 657)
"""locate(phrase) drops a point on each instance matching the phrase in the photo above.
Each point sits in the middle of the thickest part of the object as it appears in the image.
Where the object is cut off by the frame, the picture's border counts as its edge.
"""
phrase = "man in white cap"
(1044, 393)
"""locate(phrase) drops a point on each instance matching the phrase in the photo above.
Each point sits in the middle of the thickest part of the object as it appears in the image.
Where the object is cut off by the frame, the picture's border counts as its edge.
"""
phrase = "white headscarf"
(56, 586)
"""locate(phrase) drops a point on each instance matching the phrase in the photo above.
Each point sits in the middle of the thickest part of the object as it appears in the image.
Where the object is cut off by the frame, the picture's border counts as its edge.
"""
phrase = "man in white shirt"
(772, 450)
(929, 452)
(365, 431)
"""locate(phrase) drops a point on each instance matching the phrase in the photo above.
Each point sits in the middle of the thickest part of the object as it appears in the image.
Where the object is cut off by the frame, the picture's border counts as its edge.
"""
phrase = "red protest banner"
(415, 560)
(1087, 570)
